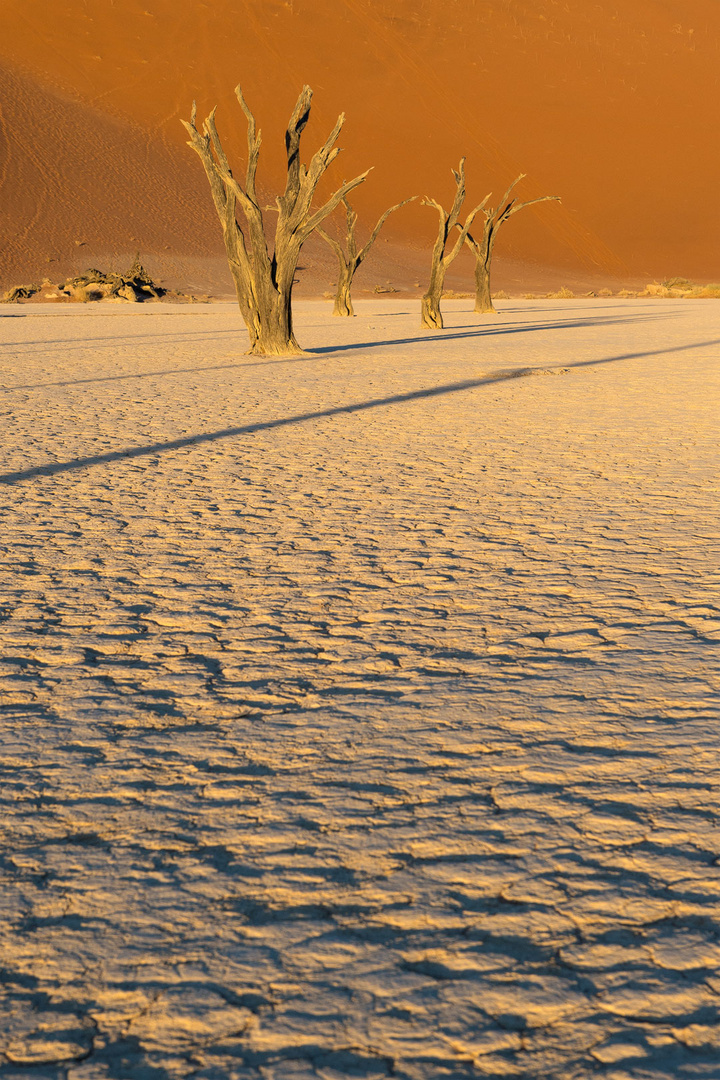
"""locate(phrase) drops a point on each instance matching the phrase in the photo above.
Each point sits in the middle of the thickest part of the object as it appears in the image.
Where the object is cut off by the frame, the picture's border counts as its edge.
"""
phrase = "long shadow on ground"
(321, 351)
(52, 468)
(462, 332)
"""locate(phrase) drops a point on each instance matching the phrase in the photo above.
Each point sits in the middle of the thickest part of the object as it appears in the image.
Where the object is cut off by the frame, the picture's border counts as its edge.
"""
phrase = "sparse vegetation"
(264, 280)
(350, 257)
(431, 314)
(682, 288)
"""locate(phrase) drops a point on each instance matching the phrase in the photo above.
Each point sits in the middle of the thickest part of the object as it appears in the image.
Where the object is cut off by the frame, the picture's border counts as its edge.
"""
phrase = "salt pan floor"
(360, 712)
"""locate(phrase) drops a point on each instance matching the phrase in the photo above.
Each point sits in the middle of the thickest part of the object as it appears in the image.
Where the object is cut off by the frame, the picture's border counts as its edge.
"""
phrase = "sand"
(608, 105)
(360, 711)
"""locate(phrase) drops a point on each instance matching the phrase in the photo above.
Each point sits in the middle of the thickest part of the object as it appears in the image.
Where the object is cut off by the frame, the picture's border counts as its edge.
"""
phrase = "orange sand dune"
(608, 105)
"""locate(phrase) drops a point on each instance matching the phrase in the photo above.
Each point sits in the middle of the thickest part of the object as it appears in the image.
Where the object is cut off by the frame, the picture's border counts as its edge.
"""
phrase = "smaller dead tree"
(264, 280)
(431, 314)
(482, 248)
(350, 257)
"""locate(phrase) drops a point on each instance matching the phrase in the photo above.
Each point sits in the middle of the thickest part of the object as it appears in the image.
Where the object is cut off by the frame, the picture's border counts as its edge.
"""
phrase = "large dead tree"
(431, 314)
(483, 247)
(350, 257)
(264, 280)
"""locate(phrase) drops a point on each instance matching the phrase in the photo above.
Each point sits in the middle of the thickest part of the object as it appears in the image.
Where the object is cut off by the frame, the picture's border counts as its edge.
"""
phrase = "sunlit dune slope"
(607, 104)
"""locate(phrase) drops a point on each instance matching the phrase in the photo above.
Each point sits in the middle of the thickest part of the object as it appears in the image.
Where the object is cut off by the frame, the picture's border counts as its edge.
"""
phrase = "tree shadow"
(322, 351)
(55, 467)
(475, 331)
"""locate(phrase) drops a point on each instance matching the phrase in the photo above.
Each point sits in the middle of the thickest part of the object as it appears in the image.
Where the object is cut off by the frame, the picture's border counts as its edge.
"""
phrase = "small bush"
(682, 289)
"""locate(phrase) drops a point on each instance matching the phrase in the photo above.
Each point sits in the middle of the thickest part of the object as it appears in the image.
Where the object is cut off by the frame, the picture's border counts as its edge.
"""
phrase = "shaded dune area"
(360, 710)
(607, 105)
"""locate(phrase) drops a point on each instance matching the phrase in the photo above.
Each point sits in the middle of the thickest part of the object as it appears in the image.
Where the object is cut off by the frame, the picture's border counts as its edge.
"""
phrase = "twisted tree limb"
(350, 258)
(482, 248)
(264, 279)
(441, 259)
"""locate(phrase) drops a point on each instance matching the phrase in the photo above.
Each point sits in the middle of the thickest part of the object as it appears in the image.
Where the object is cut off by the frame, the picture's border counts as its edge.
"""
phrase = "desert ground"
(360, 709)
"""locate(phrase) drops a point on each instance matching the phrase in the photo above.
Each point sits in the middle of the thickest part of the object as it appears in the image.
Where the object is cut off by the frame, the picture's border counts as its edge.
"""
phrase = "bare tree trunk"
(483, 296)
(350, 258)
(343, 299)
(431, 315)
(264, 281)
(272, 332)
(483, 248)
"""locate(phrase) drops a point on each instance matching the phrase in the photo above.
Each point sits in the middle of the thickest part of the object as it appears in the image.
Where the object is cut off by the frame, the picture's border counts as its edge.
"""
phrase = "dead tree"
(483, 248)
(349, 257)
(431, 314)
(264, 281)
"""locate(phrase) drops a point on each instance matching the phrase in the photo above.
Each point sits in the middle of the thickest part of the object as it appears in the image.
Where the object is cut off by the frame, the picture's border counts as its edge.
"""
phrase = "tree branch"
(374, 234)
(459, 199)
(312, 222)
(543, 198)
(464, 231)
(337, 247)
(295, 128)
(254, 139)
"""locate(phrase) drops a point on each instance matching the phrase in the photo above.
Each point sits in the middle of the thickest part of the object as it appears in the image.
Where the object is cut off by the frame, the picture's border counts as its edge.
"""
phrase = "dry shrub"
(529, 296)
(681, 283)
(502, 295)
(605, 292)
(681, 289)
(627, 294)
(561, 294)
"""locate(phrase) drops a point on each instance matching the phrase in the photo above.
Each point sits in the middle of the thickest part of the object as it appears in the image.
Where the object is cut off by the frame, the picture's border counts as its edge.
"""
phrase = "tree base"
(290, 348)
(431, 316)
(343, 300)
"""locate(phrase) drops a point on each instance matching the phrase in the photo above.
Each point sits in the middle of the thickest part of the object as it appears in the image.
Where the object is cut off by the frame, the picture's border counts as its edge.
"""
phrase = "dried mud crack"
(379, 743)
